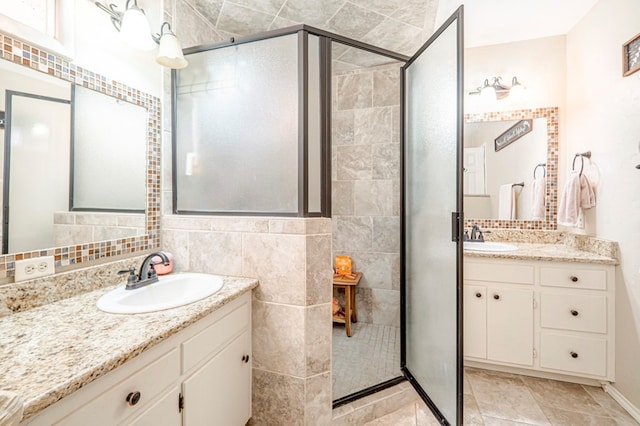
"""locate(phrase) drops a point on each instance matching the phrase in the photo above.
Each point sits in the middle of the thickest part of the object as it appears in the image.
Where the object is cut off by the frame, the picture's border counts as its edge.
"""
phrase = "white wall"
(86, 35)
(99, 48)
(603, 115)
(539, 64)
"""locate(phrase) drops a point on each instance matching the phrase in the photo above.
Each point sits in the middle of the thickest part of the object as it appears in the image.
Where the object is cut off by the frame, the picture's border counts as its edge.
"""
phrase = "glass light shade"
(135, 30)
(170, 52)
(488, 93)
(517, 90)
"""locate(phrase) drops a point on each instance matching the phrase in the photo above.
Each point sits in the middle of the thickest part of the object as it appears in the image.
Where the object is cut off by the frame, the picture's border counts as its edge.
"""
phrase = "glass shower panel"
(237, 129)
(116, 148)
(40, 130)
(314, 135)
(431, 195)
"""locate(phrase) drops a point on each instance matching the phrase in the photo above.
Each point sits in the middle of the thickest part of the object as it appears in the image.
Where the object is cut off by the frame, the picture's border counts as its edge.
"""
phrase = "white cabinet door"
(219, 393)
(475, 321)
(510, 325)
(164, 412)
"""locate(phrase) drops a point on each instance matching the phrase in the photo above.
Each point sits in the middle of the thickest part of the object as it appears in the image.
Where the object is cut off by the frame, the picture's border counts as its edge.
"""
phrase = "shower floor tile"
(370, 356)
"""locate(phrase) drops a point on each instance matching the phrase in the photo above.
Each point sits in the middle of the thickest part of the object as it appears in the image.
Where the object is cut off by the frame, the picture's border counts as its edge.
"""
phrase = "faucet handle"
(152, 271)
(132, 274)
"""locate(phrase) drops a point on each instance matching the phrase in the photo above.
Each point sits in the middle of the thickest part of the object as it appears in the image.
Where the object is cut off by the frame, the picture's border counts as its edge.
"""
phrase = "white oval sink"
(169, 292)
(488, 246)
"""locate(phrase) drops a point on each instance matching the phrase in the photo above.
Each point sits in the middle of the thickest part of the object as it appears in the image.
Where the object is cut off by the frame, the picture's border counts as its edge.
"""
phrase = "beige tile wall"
(366, 186)
(291, 307)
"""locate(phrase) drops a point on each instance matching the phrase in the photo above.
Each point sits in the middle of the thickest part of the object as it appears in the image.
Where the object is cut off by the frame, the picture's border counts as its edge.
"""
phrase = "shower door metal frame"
(6, 187)
(457, 221)
(303, 32)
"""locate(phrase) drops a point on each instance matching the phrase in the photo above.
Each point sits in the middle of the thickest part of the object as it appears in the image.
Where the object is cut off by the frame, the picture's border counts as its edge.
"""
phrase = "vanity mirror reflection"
(499, 177)
(82, 152)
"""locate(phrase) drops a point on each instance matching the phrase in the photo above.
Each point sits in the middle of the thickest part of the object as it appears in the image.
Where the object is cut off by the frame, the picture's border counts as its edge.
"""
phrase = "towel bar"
(582, 155)
(544, 169)
(518, 184)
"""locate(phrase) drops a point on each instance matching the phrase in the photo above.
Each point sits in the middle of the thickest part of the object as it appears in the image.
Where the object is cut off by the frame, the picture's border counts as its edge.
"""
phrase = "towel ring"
(518, 184)
(582, 155)
(544, 170)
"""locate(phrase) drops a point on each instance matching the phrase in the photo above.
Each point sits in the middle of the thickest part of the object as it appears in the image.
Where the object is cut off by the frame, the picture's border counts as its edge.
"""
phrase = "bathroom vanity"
(545, 308)
(75, 365)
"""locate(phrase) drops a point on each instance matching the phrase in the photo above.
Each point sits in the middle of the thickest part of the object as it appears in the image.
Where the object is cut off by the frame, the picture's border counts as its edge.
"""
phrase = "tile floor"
(496, 399)
(370, 356)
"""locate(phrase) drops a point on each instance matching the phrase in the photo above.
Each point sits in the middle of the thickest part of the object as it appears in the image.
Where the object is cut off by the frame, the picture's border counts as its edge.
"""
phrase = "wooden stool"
(350, 311)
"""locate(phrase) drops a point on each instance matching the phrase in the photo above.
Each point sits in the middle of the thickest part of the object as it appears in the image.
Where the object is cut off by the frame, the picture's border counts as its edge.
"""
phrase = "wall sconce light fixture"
(135, 30)
(497, 90)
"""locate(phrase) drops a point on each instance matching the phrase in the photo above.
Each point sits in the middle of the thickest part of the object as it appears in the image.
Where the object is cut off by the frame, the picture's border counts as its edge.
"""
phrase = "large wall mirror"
(81, 169)
(504, 153)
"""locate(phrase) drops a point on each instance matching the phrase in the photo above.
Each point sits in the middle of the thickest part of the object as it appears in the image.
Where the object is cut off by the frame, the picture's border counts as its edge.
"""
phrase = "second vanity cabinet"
(552, 317)
(200, 375)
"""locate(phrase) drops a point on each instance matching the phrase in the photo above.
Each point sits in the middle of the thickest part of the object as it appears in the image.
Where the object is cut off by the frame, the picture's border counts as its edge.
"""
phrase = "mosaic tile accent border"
(24, 54)
(550, 222)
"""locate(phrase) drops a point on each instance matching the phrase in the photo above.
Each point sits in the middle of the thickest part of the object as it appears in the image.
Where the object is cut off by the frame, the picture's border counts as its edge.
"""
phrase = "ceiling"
(398, 25)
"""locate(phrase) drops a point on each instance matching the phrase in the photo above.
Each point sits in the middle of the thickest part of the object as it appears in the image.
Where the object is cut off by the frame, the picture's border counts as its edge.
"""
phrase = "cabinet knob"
(496, 296)
(478, 295)
(574, 355)
(574, 278)
(574, 312)
(133, 398)
(245, 358)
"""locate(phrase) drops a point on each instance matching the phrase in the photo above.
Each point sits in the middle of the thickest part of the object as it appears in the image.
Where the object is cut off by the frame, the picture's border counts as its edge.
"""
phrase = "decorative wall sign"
(631, 56)
(513, 133)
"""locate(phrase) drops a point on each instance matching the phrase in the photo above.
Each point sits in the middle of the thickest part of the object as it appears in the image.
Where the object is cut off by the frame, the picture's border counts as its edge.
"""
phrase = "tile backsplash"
(22, 53)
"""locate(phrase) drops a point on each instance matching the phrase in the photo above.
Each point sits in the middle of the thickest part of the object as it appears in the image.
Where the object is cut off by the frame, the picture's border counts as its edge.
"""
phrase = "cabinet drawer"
(213, 338)
(579, 312)
(574, 277)
(502, 273)
(585, 355)
(112, 406)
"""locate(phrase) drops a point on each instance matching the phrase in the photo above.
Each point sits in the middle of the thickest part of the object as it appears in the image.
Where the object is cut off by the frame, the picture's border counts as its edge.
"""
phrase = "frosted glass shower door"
(431, 224)
(36, 164)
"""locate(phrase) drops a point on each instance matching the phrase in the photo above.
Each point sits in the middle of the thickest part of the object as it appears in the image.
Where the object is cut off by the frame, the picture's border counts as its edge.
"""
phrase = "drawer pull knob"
(574, 355)
(245, 358)
(574, 312)
(478, 295)
(496, 296)
(133, 398)
(574, 278)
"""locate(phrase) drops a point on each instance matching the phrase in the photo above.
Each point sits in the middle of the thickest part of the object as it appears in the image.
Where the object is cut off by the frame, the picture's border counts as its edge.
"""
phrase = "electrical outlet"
(29, 269)
(580, 223)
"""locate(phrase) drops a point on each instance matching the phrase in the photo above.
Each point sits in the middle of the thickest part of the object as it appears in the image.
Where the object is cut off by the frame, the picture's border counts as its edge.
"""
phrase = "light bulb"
(135, 30)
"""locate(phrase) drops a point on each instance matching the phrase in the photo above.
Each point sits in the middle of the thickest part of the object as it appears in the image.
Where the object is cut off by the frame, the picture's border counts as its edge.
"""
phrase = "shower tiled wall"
(291, 345)
(366, 185)
(291, 258)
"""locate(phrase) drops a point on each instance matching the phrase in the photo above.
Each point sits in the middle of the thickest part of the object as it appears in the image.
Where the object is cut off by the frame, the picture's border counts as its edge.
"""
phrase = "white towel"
(578, 194)
(587, 194)
(507, 202)
(568, 209)
(538, 194)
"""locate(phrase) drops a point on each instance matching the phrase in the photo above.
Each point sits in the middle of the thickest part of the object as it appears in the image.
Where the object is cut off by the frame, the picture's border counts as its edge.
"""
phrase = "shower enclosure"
(302, 122)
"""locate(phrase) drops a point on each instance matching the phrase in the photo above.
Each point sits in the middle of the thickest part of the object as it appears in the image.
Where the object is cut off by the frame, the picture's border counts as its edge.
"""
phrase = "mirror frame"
(551, 198)
(22, 53)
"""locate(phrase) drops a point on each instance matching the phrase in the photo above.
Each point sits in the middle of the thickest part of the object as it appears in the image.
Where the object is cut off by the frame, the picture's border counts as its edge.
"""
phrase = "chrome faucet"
(476, 235)
(147, 273)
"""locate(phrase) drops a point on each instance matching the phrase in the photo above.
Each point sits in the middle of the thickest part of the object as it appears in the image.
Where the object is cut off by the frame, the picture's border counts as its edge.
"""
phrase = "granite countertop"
(545, 252)
(53, 350)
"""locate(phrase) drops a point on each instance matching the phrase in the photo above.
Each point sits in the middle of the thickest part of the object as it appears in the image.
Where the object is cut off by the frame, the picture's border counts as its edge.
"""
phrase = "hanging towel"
(507, 202)
(538, 193)
(569, 207)
(578, 194)
(587, 194)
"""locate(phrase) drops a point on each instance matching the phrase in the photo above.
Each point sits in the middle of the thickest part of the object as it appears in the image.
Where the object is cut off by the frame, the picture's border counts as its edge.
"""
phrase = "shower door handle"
(455, 226)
